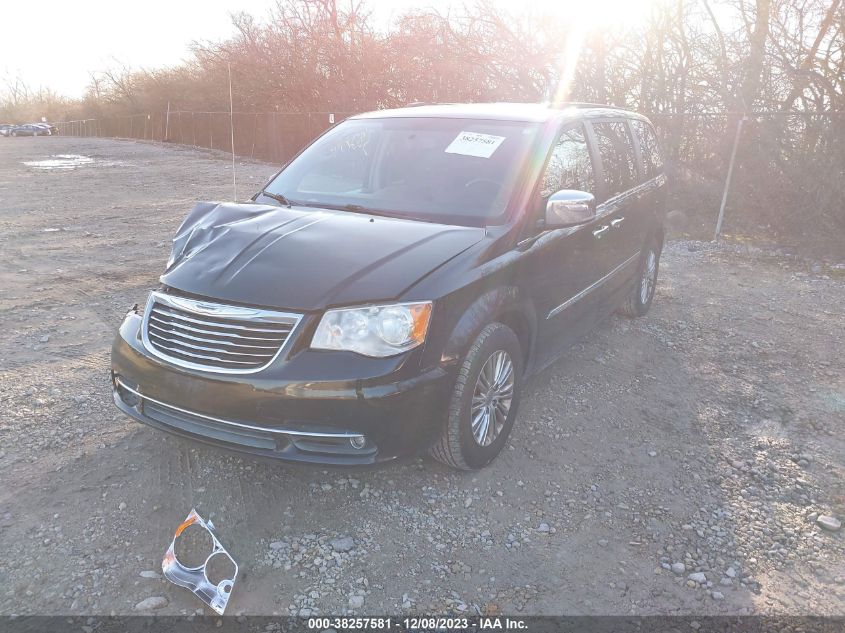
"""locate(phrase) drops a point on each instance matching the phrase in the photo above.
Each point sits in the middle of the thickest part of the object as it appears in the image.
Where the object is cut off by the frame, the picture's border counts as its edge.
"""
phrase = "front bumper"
(321, 407)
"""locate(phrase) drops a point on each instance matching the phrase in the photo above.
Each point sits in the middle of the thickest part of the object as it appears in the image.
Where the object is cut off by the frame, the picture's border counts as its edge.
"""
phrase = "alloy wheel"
(491, 400)
(649, 277)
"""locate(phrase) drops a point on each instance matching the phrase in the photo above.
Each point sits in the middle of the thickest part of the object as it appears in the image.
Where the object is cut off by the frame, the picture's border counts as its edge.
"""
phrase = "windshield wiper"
(360, 208)
(277, 197)
(355, 208)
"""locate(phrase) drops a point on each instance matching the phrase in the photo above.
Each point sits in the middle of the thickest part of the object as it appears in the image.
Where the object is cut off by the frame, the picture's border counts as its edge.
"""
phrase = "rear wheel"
(639, 299)
(484, 401)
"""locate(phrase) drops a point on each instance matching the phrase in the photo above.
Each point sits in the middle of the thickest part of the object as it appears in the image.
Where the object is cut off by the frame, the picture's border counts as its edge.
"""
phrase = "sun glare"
(587, 19)
(599, 13)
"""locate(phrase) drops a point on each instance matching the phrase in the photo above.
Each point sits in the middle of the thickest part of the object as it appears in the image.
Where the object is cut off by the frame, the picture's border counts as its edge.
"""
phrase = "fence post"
(728, 179)
(232, 131)
(276, 139)
(254, 128)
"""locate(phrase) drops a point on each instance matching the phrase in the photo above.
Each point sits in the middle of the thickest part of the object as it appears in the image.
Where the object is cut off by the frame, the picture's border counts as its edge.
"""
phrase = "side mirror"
(569, 208)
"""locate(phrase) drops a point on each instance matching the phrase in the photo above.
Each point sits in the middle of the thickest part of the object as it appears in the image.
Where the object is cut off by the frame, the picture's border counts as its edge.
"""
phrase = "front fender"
(506, 304)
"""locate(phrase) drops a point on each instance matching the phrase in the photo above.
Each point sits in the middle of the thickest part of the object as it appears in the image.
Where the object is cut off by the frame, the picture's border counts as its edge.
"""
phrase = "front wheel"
(484, 401)
(639, 299)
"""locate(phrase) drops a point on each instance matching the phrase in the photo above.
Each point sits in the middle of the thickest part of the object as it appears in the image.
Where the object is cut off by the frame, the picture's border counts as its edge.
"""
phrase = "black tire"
(639, 300)
(457, 446)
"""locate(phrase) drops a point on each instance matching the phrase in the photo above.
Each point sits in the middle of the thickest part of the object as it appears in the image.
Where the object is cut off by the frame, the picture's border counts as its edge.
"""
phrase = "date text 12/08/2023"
(420, 623)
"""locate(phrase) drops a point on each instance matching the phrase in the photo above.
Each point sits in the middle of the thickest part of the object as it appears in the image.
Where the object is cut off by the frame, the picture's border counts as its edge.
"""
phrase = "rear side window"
(617, 156)
(569, 166)
(649, 148)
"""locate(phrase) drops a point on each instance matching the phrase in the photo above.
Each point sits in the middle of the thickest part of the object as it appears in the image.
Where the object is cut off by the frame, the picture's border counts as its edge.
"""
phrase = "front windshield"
(457, 171)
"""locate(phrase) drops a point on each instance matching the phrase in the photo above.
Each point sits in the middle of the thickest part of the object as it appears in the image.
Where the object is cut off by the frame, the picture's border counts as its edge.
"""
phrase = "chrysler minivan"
(393, 286)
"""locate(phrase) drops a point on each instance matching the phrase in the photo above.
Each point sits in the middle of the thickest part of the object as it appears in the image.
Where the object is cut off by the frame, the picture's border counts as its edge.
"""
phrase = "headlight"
(378, 331)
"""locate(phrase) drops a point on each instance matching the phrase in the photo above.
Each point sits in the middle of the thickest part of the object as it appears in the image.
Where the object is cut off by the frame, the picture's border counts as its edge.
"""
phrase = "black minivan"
(391, 288)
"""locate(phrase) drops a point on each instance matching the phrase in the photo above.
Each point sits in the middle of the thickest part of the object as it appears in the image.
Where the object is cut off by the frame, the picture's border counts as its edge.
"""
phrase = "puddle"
(60, 161)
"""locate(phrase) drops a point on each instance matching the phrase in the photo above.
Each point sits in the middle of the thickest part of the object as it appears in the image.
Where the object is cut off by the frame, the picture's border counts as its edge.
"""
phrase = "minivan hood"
(304, 258)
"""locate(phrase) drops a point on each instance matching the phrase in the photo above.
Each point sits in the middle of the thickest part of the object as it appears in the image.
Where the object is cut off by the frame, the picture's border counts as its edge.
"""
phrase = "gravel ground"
(680, 463)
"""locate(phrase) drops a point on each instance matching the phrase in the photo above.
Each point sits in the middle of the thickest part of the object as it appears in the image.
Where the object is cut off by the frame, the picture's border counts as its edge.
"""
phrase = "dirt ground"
(706, 437)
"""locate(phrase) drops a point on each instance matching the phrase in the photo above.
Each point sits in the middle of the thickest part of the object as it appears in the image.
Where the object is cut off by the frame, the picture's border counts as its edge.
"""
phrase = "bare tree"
(696, 67)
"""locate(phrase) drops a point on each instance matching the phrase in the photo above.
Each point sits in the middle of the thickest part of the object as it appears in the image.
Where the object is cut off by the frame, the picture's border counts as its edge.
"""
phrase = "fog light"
(358, 442)
(129, 398)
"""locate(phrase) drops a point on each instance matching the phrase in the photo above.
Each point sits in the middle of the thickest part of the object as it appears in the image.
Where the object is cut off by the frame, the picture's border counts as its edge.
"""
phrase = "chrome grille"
(214, 336)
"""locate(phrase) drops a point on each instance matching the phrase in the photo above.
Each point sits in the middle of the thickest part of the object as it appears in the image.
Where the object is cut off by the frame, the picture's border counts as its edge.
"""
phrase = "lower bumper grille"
(207, 428)
(214, 336)
(248, 436)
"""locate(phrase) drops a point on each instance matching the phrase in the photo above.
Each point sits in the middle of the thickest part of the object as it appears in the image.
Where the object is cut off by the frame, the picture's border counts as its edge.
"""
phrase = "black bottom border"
(420, 624)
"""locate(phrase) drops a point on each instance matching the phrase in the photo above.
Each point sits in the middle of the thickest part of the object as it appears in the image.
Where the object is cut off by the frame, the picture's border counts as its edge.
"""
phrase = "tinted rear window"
(649, 148)
(617, 156)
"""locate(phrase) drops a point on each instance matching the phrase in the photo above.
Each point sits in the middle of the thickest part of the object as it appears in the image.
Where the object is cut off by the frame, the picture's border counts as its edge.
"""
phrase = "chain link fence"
(787, 183)
(272, 136)
(787, 180)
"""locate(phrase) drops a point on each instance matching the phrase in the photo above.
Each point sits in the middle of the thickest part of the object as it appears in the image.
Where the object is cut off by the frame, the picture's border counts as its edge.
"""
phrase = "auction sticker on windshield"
(475, 144)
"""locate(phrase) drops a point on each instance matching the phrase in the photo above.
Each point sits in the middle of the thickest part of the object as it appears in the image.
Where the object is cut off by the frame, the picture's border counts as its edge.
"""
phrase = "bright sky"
(69, 40)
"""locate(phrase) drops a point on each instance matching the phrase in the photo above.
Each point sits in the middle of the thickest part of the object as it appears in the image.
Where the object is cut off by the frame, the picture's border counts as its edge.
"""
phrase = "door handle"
(617, 222)
(599, 232)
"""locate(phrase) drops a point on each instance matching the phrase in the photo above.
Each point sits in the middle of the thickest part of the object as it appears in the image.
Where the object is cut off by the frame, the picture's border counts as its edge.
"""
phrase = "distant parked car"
(29, 129)
(49, 127)
(5, 128)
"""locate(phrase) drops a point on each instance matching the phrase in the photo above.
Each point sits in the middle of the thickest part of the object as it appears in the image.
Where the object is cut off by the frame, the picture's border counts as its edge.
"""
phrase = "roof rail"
(417, 104)
(581, 104)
